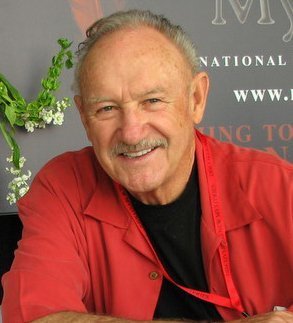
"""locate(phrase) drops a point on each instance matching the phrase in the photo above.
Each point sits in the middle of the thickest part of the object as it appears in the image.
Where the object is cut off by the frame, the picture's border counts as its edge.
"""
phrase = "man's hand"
(274, 317)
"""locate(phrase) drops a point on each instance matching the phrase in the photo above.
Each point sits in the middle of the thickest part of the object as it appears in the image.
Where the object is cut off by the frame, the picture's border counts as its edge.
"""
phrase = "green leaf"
(44, 83)
(15, 153)
(54, 71)
(47, 99)
(68, 63)
(3, 89)
(12, 144)
(64, 43)
(6, 134)
(13, 91)
(19, 122)
(69, 54)
(55, 85)
(10, 114)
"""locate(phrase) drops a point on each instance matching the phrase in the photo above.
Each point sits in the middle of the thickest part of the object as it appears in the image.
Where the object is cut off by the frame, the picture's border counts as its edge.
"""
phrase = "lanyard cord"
(219, 223)
(233, 301)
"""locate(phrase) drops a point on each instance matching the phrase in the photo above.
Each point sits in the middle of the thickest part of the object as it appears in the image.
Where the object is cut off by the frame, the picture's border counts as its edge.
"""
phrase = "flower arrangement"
(44, 110)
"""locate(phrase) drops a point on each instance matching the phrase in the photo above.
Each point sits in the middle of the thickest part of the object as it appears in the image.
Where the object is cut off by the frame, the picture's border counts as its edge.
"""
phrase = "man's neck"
(170, 192)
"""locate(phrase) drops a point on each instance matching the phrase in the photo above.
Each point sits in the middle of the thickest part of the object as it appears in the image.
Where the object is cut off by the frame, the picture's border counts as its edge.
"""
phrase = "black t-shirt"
(174, 230)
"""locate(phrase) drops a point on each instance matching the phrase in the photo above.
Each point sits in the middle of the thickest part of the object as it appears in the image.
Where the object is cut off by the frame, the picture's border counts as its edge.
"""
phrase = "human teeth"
(137, 153)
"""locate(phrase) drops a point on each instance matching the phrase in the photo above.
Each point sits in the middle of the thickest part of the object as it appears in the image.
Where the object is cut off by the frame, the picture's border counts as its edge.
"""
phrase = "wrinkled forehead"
(129, 45)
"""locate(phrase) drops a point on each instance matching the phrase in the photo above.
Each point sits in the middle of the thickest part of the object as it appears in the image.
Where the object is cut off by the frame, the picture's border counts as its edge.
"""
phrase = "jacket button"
(153, 275)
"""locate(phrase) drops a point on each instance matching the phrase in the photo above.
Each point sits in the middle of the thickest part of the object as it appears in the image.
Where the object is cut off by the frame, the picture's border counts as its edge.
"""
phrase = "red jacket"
(81, 251)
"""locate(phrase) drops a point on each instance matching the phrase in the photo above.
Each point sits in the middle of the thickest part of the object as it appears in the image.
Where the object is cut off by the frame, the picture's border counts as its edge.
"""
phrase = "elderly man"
(155, 220)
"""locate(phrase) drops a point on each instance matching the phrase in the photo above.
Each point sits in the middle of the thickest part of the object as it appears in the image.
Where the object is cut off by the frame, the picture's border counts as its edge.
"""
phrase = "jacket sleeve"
(49, 273)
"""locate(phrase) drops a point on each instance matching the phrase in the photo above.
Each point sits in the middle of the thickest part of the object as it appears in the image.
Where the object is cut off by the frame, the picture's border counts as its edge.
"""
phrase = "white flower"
(62, 105)
(13, 171)
(29, 126)
(65, 104)
(42, 125)
(18, 186)
(25, 116)
(17, 181)
(23, 190)
(25, 177)
(46, 115)
(11, 198)
(58, 118)
(22, 160)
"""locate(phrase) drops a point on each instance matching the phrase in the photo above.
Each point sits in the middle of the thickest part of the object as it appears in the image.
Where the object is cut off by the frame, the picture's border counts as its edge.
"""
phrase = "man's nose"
(132, 126)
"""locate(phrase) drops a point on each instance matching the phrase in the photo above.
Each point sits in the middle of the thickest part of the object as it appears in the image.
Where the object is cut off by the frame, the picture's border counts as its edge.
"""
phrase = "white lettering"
(215, 62)
(289, 11)
(241, 95)
(203, 61)
(242, 11)
(280, 61)
(271, 61)
(226, 60)
(219, 20)
(265, 18)
(275, 94)
(258, 94)
(246, 60)
(259, 60)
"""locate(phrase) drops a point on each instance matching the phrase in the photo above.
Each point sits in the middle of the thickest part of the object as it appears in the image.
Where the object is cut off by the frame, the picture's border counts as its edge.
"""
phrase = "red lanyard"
(219, 224)
(233, 301)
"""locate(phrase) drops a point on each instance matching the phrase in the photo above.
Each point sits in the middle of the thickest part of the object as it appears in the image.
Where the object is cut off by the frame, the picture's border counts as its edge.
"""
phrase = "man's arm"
(48, 273)
(71, 317)
(273, 317)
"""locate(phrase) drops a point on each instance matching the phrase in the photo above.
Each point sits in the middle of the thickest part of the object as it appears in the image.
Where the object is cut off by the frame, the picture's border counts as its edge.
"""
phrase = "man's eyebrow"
(97, 99)
(153, 91)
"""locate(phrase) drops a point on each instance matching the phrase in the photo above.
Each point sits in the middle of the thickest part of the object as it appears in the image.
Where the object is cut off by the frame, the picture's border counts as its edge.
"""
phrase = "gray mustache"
(122, 148)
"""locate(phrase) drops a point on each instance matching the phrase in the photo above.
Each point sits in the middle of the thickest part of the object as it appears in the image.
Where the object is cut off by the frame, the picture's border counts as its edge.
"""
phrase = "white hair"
(134, 19)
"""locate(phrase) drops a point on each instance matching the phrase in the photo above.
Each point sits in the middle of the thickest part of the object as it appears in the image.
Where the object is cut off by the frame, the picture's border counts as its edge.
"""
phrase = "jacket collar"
(236, 209)
(105, 203)
(110, 204)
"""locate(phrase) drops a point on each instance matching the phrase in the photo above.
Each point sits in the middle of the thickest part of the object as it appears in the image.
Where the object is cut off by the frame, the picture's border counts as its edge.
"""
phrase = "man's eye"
(154, 100)
(108, 108)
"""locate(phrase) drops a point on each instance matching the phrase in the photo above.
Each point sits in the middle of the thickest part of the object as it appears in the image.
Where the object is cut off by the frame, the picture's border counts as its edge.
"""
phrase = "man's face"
(138, 104)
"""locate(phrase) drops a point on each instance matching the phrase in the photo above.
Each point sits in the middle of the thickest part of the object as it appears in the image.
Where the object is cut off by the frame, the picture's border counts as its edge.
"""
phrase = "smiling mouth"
(140, 149)
(137, 153)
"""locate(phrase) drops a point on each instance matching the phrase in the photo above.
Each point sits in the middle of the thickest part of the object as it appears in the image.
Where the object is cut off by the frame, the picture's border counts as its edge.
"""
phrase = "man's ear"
(79, 104)
(199, 93)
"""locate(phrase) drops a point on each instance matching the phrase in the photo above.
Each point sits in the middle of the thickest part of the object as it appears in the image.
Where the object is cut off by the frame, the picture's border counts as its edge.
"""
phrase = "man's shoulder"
(233, 155)
(85, 154)
(70, 161)
(71, 169)
(72, 177)
(245, 166)
(252, 181)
